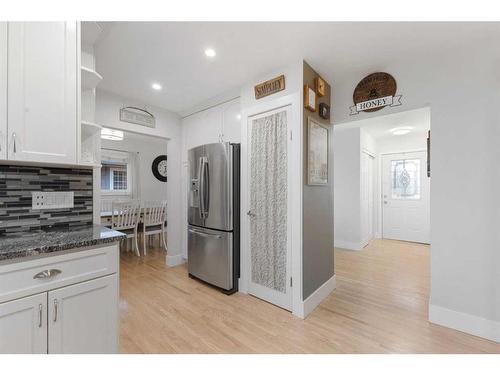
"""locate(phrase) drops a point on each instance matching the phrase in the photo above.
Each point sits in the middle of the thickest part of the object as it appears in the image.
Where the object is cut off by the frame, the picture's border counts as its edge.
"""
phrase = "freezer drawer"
(210, 256)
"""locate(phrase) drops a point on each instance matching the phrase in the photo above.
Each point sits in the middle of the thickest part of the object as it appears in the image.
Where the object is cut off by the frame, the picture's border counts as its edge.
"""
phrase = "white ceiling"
(419, 120)
(132, 55)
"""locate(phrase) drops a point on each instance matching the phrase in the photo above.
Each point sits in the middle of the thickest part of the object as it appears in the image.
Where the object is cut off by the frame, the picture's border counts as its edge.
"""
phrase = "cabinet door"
(3, 90)
(232, 122)
(83, 318)
(23, 325)
(42, 91)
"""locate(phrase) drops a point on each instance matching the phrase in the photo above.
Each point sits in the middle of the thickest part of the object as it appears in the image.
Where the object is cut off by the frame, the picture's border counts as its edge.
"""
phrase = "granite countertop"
(41, 242)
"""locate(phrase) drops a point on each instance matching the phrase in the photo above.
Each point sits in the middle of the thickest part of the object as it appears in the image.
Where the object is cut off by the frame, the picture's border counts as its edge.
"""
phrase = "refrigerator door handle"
(206, 188)
(203, 234)
(201, 188)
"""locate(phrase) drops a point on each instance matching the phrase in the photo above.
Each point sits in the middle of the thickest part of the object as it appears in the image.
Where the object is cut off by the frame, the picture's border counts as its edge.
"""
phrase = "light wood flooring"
(379, 306)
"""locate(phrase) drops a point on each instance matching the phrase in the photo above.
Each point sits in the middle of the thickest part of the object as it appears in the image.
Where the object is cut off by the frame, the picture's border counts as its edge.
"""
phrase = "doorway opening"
(388, 158)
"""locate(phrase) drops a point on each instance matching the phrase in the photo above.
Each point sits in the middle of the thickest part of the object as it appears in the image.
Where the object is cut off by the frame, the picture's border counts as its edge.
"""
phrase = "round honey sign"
(374, 92)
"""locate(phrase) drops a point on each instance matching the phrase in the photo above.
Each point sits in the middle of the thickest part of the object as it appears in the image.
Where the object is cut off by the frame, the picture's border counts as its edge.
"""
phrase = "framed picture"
(309, 98)
(317, 153)
(320, 86)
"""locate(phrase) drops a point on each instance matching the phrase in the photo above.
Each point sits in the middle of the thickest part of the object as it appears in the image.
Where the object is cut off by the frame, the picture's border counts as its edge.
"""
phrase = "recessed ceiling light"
(401, 131)
(156, 86)
(238, 116)
(111, 134)
(209, 52)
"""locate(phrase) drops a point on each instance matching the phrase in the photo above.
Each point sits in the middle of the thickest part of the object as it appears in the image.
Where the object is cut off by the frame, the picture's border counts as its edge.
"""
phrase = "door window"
(405, 178)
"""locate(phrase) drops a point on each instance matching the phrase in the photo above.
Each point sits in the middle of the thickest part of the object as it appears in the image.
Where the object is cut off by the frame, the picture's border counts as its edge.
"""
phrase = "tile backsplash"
(18, 182)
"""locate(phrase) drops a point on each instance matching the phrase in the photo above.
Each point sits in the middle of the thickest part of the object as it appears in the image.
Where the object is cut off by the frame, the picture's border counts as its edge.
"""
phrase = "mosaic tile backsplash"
(16, 185)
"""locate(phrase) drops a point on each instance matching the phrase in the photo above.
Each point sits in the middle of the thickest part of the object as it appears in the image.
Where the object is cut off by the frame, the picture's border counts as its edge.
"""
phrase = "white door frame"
(294, 191)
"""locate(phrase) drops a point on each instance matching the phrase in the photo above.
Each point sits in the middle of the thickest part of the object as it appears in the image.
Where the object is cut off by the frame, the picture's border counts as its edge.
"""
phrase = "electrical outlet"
(43, 200)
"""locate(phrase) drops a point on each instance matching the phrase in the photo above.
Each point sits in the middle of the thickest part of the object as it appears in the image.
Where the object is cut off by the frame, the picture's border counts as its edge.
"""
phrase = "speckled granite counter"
(40, 242)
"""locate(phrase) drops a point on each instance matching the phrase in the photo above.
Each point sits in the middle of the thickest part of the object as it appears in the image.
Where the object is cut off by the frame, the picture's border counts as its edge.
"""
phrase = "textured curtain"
(268, 201)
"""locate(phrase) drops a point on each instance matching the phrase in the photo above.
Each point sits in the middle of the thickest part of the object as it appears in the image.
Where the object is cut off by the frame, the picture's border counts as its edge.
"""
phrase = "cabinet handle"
(14, 138)
(56, 309)
(47, 274)
(40, 315)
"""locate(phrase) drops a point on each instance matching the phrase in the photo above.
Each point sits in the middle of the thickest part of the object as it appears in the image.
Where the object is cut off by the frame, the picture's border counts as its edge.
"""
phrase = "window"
(114, 177)
(405, 176)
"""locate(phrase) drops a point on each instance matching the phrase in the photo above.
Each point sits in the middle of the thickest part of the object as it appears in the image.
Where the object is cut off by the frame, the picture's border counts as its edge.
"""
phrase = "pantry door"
(269, 240)
(405, 199)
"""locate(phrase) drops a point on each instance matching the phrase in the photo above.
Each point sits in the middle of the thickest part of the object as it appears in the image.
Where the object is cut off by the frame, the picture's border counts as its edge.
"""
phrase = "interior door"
(42, 91)
(82, 318)
(405, 199)
(366, 198)
(269, 200)
(23, 325)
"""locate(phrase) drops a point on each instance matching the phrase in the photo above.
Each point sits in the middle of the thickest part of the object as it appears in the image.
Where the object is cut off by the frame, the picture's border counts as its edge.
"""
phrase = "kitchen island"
(59, 291)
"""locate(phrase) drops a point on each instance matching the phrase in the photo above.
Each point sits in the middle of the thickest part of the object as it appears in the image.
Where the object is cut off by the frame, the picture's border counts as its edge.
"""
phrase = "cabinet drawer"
(18, 279)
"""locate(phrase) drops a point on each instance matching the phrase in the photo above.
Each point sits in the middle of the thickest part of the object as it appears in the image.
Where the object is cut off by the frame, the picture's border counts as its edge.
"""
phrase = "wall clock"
(159, 168)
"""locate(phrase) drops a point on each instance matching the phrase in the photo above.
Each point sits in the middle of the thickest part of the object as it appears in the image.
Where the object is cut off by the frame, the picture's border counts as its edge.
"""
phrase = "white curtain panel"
(268, 199)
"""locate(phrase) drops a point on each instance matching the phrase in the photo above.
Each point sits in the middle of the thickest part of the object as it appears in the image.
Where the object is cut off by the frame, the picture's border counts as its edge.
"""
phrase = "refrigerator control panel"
(193, 193)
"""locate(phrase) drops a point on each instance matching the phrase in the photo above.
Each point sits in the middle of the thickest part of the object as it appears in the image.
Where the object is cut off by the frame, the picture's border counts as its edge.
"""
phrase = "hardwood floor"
(379, 306)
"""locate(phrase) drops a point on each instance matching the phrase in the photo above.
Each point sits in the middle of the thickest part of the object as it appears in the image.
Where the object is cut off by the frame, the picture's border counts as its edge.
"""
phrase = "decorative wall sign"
(374, 92)
(320, 86)
(138, 116)
(317, 153)
(324, 111)
(269, 87)
(159, 168)
(310, 101)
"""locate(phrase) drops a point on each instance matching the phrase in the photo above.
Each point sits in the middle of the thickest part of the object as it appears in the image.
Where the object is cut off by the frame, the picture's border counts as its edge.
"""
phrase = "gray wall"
(317, 206)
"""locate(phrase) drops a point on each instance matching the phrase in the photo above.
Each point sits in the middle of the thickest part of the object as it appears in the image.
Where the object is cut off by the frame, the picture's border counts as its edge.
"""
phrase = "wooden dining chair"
(125, 219)
(154, 222)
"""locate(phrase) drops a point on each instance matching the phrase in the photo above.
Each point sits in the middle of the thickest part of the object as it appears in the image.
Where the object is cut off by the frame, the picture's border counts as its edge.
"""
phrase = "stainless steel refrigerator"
(214, 215)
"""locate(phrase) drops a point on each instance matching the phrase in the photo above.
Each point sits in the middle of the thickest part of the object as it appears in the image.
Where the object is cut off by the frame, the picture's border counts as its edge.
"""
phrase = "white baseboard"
(174, 260)
(475, 325)
(348, 245)
(318, 296)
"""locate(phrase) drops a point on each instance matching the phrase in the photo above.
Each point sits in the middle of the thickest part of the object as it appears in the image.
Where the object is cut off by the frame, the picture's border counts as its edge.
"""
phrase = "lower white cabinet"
(23, 325)
(61, 304)
(83, 317)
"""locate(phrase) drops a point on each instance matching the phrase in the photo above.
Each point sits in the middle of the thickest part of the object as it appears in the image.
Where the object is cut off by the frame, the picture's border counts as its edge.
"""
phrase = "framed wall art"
(317, 153)
(310, 99)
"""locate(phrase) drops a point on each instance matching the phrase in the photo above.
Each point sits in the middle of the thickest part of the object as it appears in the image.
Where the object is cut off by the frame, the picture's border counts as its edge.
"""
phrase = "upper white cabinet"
(23, 325)
(42, 91)
(3, 90)
(231, 121)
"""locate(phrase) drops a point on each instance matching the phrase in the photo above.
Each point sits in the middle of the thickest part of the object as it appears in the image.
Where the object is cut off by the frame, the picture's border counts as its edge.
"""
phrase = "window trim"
(111, 191)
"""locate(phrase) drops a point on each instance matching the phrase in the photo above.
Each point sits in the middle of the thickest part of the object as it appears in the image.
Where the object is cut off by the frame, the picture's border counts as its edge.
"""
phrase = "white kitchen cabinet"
(42, 91)
(23, 325)
(3, 90)
(83, 317)
(231, 122)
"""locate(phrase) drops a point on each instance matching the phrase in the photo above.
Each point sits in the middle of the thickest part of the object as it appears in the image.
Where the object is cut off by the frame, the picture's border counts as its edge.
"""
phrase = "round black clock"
(159, 168)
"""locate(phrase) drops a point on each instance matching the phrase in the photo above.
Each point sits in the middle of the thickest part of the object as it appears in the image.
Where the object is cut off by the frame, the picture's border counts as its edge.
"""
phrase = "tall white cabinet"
(3, 90)
(42, 91)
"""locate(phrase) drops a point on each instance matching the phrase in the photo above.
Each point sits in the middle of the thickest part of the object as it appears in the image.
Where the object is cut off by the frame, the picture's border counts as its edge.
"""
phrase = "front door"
(405, 197)
(269, 201)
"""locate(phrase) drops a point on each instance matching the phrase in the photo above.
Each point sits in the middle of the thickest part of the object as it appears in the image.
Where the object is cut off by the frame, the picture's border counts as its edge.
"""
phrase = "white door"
(405, 197)
(270, 201)
(42, 91)
(82, 318)
(3, 90)
(23, 325)
(366, 198)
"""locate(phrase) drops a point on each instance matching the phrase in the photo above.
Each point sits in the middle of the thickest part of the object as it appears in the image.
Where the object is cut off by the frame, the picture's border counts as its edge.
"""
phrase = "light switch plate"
(46, 200)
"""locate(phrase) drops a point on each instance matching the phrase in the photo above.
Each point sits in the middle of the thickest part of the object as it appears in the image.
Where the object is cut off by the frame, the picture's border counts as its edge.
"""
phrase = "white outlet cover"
(46, 200)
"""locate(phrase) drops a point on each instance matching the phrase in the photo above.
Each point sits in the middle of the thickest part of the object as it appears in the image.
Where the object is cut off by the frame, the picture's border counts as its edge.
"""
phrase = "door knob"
(250, 213)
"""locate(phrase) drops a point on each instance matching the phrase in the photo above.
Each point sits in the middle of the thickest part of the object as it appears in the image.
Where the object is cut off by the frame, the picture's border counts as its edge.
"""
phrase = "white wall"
(346, 186)
(168, 126)
(462, 90)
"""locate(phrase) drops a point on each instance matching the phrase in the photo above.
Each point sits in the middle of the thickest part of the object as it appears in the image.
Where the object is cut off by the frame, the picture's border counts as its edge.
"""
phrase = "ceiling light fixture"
(209, 52)
(111, 134)
(156, 86)
(401, 131)
(238, 116)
